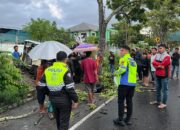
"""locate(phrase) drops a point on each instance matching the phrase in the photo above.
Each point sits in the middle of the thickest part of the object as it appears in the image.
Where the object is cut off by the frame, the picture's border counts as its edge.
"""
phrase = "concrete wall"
(10, 47)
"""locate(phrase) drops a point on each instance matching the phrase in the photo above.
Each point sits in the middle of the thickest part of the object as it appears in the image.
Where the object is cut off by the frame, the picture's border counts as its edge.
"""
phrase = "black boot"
(127, 121)
(119, 122)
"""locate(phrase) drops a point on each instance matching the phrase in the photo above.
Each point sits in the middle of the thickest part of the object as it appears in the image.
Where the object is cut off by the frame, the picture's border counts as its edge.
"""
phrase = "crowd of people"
(56, 79)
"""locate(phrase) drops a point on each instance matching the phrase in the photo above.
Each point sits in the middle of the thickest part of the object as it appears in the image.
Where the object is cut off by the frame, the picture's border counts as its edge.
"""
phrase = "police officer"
(58, 80)
(127, 72)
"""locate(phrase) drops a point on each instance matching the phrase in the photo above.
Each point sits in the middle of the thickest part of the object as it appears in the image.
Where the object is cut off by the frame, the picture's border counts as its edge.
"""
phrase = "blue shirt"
(16, 55)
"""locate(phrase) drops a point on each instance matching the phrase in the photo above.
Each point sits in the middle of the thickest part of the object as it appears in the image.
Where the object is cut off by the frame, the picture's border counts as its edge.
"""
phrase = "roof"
(174, 37)
(31, 41)
(10, 27)
(83, 27)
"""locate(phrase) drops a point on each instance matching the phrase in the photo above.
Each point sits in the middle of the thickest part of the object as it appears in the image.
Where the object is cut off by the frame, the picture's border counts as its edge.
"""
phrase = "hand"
(74, 105)
(160, 66)
(97, 79)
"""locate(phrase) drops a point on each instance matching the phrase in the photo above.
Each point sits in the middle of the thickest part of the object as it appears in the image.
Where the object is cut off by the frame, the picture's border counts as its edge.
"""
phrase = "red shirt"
(89, 68)
(40, 72)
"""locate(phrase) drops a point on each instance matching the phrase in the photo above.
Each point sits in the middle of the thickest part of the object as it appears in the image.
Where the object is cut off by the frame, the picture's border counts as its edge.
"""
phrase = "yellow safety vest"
(55, 76)
(127, 71)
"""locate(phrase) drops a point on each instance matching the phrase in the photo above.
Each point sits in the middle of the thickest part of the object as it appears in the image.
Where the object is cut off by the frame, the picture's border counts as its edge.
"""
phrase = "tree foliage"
(44, 30)
(164, 18)
(129, 10)
(127, 33)
(12, 88)
(92, 39)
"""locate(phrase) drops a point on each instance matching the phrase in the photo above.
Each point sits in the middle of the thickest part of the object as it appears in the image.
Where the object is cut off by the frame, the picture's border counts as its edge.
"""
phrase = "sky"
(66, 13)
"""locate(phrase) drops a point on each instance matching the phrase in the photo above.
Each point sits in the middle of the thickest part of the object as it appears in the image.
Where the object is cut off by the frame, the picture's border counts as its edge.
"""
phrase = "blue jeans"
(111, 68)
(162, 87)
(175, 67)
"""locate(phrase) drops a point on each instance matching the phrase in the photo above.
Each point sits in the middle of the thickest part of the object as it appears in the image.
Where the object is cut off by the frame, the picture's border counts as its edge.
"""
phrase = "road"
(145, 117)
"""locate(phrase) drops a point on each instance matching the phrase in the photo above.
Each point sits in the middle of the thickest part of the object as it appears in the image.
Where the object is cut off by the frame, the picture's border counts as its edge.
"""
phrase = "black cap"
(61, 56)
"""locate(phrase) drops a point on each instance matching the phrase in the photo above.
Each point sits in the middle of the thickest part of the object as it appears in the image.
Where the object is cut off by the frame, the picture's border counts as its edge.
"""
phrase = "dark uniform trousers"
(62, 114)
(125, 92)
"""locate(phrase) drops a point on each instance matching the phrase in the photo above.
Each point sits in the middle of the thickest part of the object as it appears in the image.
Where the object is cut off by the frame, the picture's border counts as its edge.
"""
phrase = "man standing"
(111, 62)
(175, 63)
(59, 82)
(90, 76)
(127, 71)
(154, 51)
(162, 66)
(16, 54)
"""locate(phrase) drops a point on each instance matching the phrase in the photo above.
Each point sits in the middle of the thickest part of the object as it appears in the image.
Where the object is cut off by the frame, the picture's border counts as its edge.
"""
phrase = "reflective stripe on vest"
(55, 76)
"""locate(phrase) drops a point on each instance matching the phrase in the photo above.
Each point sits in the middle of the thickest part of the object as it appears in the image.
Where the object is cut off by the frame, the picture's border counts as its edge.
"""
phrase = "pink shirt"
(89, 68)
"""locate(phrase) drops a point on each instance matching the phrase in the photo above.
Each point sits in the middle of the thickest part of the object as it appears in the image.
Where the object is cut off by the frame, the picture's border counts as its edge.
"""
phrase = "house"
(12, 35)
(84, 30)
(174, 37)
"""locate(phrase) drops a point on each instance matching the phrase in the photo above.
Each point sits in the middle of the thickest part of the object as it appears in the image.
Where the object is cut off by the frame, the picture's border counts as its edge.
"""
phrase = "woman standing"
(40, 94)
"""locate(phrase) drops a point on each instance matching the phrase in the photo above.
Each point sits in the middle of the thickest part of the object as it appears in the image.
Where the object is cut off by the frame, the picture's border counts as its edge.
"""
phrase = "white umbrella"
(48, 50)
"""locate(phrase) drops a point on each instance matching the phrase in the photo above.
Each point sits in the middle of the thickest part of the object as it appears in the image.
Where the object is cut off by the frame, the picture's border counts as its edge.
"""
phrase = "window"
(93, 34)
(83, 35)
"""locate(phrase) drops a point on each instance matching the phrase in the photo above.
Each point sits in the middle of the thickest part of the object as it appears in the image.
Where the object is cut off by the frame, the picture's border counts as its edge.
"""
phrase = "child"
(145, 69)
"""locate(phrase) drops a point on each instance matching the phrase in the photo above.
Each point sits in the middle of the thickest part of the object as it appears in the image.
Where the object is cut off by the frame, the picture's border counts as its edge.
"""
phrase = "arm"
(165, 62)
(95, 68)
(43, 86)
(72, 67)
(42, 82)
(122, 67)
(148, 63)
(155, 63)
(69, 86)
(38, 75)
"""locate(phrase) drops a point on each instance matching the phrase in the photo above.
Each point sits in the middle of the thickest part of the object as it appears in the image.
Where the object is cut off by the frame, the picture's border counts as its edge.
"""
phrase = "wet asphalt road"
(145, 117)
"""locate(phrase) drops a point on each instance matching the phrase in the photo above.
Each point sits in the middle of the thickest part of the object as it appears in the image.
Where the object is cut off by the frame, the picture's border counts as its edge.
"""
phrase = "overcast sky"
(66, 13)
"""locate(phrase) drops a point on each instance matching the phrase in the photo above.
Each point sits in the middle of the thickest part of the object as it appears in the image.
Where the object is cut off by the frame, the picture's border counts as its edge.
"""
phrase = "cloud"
(52, 5)
(55, 11)
(66, 13)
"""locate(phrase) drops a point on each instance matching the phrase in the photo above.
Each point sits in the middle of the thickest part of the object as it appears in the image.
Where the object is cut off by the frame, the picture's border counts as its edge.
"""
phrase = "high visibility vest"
(127, 71)
(55, 76)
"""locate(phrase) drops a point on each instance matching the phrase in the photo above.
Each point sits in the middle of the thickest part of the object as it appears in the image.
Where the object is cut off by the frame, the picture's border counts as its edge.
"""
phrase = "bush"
(106, 77)
(12, 87)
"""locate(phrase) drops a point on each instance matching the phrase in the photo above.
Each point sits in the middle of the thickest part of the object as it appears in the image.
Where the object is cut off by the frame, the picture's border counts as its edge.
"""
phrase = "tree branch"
(120, 8)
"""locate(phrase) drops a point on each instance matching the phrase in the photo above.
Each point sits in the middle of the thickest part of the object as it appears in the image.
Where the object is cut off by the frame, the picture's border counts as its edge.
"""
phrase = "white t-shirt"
(152, 59)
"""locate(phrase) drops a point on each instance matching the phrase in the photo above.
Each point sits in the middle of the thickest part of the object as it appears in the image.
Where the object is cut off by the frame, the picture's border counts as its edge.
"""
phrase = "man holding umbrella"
(58, 80)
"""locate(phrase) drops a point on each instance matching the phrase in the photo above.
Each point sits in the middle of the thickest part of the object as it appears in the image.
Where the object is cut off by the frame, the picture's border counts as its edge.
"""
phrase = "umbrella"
(48, 50)
(86, 47)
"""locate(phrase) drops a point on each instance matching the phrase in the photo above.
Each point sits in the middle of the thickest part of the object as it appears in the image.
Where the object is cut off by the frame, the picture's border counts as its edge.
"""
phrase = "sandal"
(162, 106)
(154, 103)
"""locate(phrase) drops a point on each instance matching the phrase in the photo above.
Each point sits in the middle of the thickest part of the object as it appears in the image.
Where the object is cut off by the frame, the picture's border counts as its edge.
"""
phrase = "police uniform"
(58, 80)
(127, 81)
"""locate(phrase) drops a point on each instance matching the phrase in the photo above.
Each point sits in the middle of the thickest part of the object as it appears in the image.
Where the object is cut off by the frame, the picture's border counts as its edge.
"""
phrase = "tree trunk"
(102, 27)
